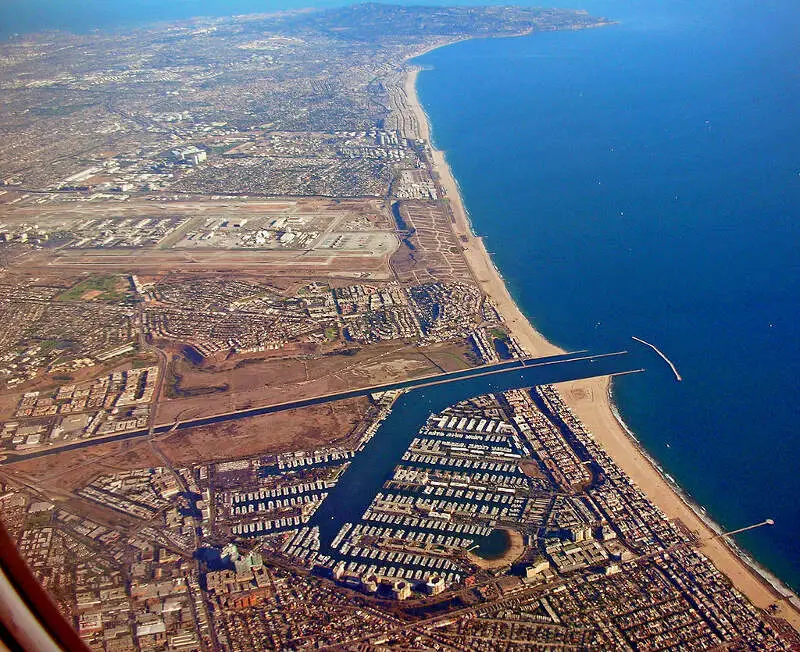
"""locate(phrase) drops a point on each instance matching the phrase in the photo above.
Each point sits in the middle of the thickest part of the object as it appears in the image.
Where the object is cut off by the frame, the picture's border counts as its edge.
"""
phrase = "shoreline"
(513, 552)
(765, 575)
(592, 402)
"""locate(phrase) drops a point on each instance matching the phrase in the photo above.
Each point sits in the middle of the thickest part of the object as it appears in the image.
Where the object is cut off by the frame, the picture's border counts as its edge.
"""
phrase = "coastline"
(592, 402)
(699, 511)
(514, 551)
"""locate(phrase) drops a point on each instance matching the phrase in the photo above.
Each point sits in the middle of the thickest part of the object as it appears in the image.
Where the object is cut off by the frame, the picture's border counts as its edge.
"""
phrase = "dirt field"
(304, 429)
(63, 473)
(434, 253)
(8, 404)
(239, 375)
(267, 382)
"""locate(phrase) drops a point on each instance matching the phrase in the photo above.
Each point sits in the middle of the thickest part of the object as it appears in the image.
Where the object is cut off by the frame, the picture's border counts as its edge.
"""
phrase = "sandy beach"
(590, 399)
(516, 547)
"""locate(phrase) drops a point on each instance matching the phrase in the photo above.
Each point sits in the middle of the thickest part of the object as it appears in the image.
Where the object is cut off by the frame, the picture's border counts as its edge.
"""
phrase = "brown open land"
(434, 252)
(8, 404)
(308, 428)
(590, 399)
(62, 474)
(253, 382)
(235, 375)
(45, 277)
(303, 429)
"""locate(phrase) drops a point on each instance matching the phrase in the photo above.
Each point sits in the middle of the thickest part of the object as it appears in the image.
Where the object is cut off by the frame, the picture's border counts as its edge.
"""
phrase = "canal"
(370, 469)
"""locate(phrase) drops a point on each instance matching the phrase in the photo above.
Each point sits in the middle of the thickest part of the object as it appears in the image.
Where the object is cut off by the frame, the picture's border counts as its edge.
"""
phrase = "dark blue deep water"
(642, 179)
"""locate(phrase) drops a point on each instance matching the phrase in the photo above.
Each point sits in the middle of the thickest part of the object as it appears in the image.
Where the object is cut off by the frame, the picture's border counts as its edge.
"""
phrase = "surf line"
(664, 357)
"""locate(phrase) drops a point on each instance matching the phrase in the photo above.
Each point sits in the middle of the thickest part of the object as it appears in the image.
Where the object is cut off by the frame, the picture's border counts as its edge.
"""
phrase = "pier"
(767, 521)
(663, 357)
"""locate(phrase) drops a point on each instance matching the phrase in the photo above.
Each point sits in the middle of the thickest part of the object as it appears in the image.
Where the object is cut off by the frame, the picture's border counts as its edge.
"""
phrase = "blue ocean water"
(643, 179)
(640, 179)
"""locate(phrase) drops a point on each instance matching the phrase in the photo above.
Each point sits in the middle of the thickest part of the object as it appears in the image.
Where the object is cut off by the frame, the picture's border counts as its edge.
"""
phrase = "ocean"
(638, 179)
(644, 179)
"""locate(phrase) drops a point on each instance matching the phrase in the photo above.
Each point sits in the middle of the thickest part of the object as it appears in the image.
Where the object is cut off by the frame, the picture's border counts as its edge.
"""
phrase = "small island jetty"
(663, 356)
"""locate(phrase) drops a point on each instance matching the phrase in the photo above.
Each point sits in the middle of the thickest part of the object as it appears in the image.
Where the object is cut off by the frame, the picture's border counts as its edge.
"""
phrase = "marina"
(391, 444)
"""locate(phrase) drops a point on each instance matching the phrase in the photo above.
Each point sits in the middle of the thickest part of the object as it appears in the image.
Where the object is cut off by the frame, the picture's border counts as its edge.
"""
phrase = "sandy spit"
(591, 401)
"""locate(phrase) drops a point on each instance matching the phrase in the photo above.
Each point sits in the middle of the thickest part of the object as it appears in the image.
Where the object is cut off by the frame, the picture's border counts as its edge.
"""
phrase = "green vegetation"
(108, 289)
(332, 333)
(51, 345)
(220, 149)
(140, 363)
(58, 109)
(174, 389)
(353, 350)
(499, 334)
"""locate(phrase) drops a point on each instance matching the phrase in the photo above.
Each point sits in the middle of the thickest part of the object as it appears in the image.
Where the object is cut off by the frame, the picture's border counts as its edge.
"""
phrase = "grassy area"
(175, 390)
(59, 110)
(332, 333)
(499, 334)
(148, 361)
(51, 345)
(108, 289)
(220, 149)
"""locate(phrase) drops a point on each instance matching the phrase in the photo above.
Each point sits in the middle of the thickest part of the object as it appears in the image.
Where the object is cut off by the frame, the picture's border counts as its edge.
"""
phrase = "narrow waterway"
(374, 464)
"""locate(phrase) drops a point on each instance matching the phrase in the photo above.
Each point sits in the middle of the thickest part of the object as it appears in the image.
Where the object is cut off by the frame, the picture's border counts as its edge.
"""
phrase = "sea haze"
(80, 16)
(642, 179)
(23, 16)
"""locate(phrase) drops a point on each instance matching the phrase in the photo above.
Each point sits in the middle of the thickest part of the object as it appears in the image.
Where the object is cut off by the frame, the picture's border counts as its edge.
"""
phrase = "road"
(608, 363)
